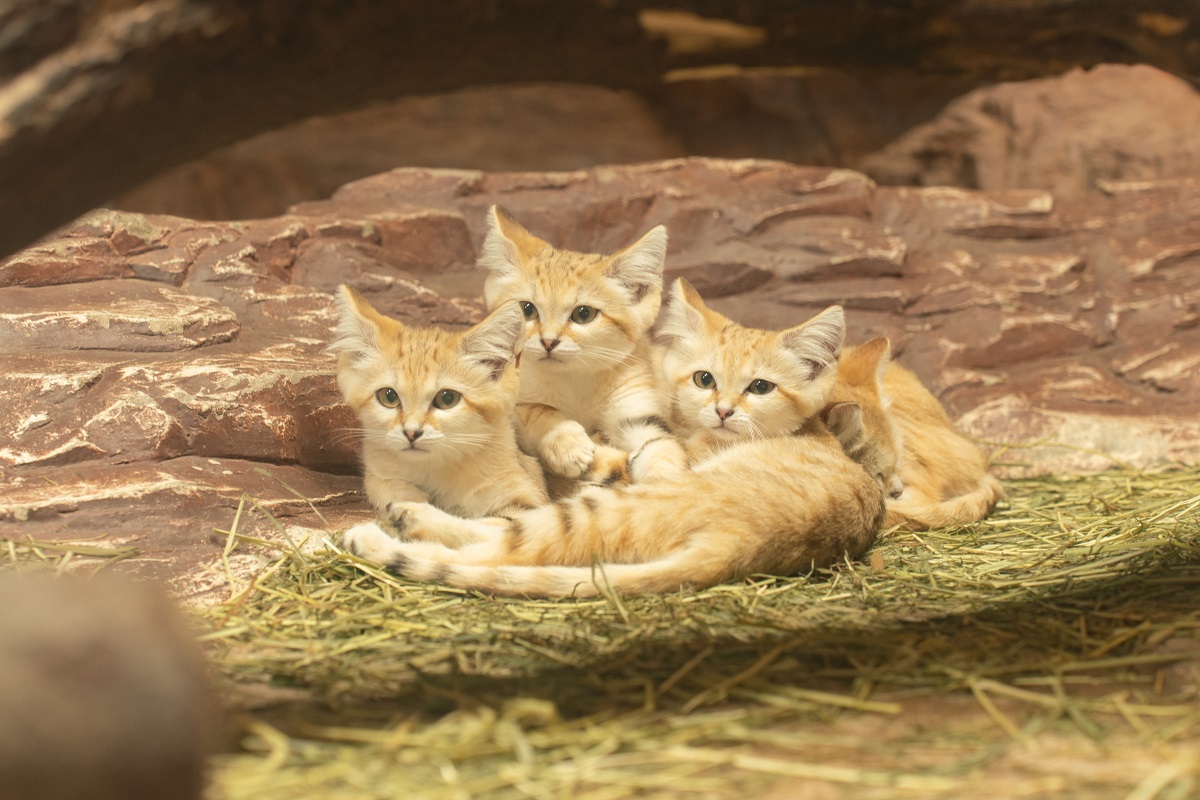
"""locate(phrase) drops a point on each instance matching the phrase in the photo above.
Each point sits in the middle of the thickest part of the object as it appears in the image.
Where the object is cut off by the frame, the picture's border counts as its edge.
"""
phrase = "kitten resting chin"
(436, 410)
(730, 383)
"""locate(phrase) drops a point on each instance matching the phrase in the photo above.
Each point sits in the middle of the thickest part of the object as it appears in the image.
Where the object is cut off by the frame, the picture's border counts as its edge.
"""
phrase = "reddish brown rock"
(1068, 135)
(826, 117)
(127, 316)
(1037, 320)
(73, 260)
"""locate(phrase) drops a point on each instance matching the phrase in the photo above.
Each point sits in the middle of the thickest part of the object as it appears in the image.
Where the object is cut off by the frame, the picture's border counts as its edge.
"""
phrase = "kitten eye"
(759, 386)
(704, 380)
(582, 315)
(528, 309)
(446, 398)
(387, 397)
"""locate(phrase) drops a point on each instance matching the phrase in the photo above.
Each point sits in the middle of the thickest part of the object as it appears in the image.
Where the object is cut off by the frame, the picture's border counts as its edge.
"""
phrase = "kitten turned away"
(935, 476)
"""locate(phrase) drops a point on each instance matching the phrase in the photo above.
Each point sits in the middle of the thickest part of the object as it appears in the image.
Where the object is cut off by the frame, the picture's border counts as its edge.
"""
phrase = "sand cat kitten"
(730, 383)
(935, 475)
(436, 410)
(585, 367)
(777, 503)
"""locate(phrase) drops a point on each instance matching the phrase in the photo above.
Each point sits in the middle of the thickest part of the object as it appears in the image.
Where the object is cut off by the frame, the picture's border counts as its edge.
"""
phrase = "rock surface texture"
(1069, 134)
(159, 372)
(96, 98)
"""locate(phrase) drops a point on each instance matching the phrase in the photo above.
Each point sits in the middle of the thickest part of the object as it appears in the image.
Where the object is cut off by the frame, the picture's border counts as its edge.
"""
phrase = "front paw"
(408, 521)
(568, 451)
(610, 467)
(369, 541)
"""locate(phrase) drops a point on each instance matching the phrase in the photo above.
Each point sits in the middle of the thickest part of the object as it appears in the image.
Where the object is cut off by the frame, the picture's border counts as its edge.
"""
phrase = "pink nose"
(412, 436)
(724, 413)
(549, 344)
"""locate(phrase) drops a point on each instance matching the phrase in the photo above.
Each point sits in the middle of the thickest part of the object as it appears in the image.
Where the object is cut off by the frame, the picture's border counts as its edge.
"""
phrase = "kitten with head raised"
(771, 493)
(586, 359)
(436, 410)
(729, 382)
(936, 477)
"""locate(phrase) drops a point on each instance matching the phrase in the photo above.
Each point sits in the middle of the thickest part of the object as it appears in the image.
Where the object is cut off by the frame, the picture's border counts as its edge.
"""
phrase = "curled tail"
(919, 513)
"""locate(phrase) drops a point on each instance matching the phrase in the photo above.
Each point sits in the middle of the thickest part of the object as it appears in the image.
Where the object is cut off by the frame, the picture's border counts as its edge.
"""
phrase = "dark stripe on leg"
(564, 517)
(439, 574)
(398, 565)
(515, 536)
(652, 421)
(616, 476)
(642, 449)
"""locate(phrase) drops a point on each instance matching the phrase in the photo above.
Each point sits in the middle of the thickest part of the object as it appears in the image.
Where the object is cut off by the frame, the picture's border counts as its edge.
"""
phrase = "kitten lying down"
(771, 491)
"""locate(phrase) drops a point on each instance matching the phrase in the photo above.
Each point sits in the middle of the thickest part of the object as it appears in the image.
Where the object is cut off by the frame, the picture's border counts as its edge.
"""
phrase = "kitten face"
(424, 393)
(736, 382)
(860, 381)
(582, 311)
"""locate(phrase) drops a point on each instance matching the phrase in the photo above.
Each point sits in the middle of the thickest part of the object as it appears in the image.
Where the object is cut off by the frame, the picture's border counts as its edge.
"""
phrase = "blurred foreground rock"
(161, 372)
(103, 693)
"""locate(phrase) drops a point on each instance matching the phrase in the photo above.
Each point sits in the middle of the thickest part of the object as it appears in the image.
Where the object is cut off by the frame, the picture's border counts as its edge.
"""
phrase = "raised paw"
(568, 451)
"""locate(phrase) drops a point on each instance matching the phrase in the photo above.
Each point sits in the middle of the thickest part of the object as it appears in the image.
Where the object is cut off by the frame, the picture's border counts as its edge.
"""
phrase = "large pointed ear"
(818, 342)
(639, 267)
(844, 420)
(684, 315)
(358, 325)
(493, 343)
(507, 244)
(866, 364)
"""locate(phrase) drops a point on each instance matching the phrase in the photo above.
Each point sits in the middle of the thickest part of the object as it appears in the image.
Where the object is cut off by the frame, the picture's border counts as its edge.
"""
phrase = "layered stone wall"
(158, 370)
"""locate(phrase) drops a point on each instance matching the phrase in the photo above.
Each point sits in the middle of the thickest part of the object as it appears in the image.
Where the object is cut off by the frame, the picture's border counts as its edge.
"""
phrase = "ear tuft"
(866, 365)
(844, 421)
(639, 267)
(357, 330)
(507, 243)
(818, 342)
(683, 316)
(494, 342)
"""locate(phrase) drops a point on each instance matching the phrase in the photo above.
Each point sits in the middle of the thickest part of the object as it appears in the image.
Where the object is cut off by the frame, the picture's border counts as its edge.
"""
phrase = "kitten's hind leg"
(420, 561)
(371, 542)
(426, 523)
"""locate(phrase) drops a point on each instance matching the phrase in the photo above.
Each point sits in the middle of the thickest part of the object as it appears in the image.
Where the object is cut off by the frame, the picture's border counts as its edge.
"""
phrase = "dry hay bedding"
(1064, 613)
